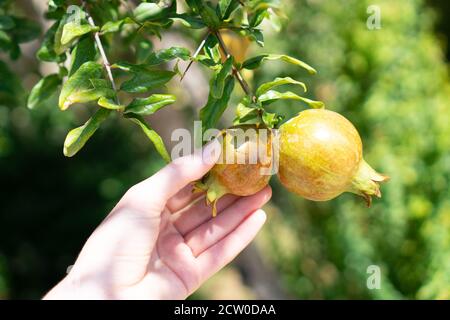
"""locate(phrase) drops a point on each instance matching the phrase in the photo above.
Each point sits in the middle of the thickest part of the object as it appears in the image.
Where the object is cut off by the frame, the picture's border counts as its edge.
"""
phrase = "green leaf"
(313, 103)
(6, 23)
(278, 82)
(147, 106)
(256, 18)
(143, 79)
(152, 135)
(143, 49)
(85, 85)
(25, 30)
(218, 81)
(109, 104)
(209, 15)
(43, 90)
(253, 34)
(194, 5)
(83, 52)
(271, 119)
(255, 62)
(211, 49)
(206, 12)
(74, 30)
(165, 55)
(47, 50)
(115, 26)
(245, 113)
(226, 8)
(272, 96)
(11, 90)
(77, 138)
(58, 47)
(214, 108)
(206, 61)
(154, 11)
(189, 21)
(5, 41)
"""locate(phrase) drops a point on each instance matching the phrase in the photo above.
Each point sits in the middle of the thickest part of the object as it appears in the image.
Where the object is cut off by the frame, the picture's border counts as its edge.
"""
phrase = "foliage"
(391, 83)
(80, 32)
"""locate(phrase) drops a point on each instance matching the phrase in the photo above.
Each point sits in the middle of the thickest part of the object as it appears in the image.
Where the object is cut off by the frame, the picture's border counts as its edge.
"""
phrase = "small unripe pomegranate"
(321, 157)
(237, 46)
(244, 167)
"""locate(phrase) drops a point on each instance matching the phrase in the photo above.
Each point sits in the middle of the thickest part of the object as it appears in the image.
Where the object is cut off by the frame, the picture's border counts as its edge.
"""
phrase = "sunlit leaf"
(278, 82)
(226, 8)
(255, 62)
(188, 21)
(115, 26)
(165, 55)
(154, 11)
(147, 106)
(245, 112)
(256, 18)
(272, 96)
(271, 120)
(85, 85)
(109, 104)
(74, 30)
(77, 138)
(152, 135)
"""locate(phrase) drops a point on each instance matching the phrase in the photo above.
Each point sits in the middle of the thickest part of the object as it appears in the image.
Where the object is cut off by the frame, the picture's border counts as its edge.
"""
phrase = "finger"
(183, 198)
(159, 188)
(224, 251)
(216, 229)
(189, 219)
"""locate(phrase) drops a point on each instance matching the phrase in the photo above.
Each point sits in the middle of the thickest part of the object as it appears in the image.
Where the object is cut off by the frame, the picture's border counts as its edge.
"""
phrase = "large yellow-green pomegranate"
(321, 157)
(244, 167)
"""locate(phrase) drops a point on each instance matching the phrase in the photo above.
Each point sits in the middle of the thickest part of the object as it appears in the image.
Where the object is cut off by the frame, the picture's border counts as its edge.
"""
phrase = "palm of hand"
(163, 245)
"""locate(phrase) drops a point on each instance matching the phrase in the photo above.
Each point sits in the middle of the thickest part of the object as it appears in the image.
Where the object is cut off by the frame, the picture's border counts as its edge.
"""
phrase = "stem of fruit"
(105, 60)
(235, 71)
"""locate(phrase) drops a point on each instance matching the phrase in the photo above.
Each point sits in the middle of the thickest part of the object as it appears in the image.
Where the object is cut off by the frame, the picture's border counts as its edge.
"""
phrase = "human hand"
(157, 244)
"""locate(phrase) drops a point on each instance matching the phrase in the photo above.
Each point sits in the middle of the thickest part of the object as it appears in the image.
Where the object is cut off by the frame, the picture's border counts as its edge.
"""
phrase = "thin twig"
(197, 52)
(105, 60)
(236, 72)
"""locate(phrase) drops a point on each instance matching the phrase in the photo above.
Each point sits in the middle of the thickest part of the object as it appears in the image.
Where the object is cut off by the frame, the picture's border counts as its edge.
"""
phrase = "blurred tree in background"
(391, 83)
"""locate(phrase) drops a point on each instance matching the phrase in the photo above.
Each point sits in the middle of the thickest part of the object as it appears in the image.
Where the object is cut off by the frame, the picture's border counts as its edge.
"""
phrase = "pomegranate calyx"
(366, 182)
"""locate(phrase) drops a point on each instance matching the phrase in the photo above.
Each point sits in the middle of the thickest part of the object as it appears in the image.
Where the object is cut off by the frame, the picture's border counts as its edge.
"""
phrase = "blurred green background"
(392, 83)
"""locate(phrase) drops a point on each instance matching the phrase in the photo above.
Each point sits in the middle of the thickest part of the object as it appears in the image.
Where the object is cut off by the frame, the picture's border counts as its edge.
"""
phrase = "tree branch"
(200, 47)
(105, 60)
(236, 72)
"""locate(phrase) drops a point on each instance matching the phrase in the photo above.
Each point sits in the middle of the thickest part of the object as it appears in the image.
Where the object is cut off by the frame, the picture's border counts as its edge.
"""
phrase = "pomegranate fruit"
(244, 167)
(321, 157)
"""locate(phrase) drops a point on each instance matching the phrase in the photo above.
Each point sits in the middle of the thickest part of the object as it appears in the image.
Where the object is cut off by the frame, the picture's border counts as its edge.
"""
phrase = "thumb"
(156, 190)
